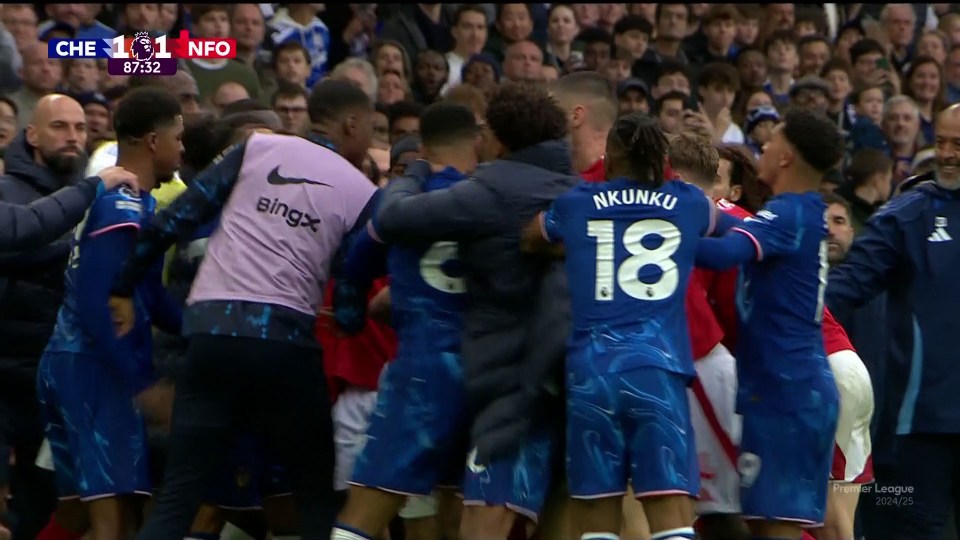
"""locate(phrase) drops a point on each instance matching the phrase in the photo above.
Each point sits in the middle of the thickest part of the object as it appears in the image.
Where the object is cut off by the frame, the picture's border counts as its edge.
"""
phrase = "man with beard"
(47, 156)
(907, 249)
(93, 388)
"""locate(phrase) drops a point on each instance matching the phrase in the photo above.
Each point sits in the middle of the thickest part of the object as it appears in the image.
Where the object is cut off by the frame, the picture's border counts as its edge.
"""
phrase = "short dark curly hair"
(816, 137)
(523, 114)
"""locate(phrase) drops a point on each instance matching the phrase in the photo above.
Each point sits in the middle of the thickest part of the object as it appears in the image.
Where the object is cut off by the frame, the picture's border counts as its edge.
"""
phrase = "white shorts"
(351, 415)
(45, 456)
(717, 427)
(852, 458)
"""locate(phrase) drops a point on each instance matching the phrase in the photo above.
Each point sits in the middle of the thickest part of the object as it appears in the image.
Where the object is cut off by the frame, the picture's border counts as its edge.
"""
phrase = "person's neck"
(926, 109)
(780, 81)
(561, 50)
(302, 14)
(212, 61)
(324, 131)
(900, 51)
(588, 145)
(835, 106)
(463, 51)
(245, 55)
(692, 178)
(799, 181)
(457, 157)
(950, 185)
(668, 47)
(146, 178)
(902, 149)
(432, 11)
(717, 51)
(868, 193)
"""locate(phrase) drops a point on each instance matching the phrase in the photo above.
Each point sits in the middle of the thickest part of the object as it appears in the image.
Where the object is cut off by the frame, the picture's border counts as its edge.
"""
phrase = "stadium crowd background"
(723, 70)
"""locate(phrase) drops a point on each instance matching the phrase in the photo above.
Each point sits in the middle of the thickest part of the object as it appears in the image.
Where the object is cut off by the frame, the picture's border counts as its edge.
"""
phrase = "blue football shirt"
(83, 321)
(629, 254)
(427, 287)
(780, 354)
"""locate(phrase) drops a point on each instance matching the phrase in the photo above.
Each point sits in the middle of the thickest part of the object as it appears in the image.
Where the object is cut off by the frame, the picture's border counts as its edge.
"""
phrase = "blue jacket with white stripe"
(909, 248)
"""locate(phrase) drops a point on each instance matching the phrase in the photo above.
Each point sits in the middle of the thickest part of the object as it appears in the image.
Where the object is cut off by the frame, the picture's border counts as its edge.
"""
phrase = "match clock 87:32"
(129, 66)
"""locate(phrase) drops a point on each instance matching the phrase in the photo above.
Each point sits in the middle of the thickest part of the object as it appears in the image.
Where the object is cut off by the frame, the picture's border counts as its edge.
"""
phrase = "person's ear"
(32, 135)
(735, 193)
(350, 126)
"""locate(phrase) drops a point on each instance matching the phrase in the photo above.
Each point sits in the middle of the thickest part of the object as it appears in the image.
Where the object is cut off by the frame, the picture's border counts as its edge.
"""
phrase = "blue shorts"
(632, 426)
(416, 440)
(519, 481)
(97, 435)
(784, 463)
(248, 476)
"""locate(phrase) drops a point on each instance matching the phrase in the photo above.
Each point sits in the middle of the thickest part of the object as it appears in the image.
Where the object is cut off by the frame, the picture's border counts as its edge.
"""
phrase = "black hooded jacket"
(31, 281)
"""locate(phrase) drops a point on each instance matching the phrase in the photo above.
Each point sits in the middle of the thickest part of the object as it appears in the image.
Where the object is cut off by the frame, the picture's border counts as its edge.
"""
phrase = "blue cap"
(760, 114)
(486, 58)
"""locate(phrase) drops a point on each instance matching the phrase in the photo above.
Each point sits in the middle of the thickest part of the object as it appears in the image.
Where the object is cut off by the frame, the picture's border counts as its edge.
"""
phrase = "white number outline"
(627, 272)
(822, 276)
(431, 268)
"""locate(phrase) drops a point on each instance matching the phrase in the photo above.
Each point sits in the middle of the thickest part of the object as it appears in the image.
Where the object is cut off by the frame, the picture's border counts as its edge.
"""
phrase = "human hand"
(122, 313)
(114, 176)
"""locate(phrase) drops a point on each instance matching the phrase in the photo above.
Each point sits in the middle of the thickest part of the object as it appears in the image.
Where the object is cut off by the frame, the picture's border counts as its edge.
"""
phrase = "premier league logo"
(142, 47)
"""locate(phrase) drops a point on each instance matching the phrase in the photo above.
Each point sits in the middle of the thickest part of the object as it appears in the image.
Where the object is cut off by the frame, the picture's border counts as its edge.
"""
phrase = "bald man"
(907, 249)
(43, 158)
(591, 106)
(228, 93)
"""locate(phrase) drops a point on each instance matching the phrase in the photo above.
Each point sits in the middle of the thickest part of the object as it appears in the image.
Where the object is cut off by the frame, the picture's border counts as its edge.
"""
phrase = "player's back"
(427, 288)
(629, 254)
(291, 205)
(111, 210)
(780, 348)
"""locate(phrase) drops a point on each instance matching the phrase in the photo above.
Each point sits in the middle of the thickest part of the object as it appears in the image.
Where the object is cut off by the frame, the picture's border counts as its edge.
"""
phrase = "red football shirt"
(355, 360)
(595, 172)
(722, 291)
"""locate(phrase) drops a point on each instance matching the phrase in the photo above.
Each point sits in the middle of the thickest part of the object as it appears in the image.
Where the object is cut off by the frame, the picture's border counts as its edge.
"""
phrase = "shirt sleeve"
(725, 252)
(870, 267)
(200, 203)
(550, 224)
(408, 215)
(115, 209)
(773, 231)
(46, 219)
(165, 312)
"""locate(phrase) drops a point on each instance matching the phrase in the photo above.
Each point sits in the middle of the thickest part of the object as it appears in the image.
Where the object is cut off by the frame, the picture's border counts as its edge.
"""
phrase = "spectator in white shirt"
(717, 86)
(469, 33)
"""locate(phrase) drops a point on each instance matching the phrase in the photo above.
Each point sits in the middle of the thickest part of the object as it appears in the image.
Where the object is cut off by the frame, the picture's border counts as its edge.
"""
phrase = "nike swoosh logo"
(276, 179)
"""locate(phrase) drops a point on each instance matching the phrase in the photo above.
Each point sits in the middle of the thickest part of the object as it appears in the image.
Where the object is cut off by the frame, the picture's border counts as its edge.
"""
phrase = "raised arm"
(408, 215)
(726, 252)
(869, 268)
(47, 219)
(203, 200)
(536, 237)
